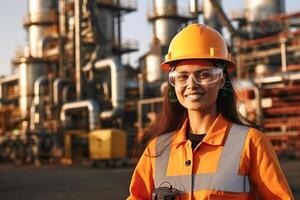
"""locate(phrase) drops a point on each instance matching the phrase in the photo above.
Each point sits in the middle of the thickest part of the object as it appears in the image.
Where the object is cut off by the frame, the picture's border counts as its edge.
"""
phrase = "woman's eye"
(182, 76)
(203, 75)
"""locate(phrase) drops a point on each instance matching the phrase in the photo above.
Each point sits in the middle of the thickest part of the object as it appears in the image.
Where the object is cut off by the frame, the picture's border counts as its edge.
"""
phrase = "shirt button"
(188, 162)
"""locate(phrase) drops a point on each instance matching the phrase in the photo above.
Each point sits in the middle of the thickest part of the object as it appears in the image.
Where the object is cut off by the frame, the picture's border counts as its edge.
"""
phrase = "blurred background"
(80, 84)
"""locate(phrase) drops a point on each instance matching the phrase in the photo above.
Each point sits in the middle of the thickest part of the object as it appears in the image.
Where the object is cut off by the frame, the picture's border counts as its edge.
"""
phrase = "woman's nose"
(191, 83)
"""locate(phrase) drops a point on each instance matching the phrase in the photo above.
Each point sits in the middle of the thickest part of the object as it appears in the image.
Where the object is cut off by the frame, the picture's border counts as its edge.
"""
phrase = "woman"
(201, 146)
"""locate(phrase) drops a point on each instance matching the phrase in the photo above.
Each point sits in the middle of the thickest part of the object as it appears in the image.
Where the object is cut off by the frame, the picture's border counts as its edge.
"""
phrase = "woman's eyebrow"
(183, 71)
(203, 69)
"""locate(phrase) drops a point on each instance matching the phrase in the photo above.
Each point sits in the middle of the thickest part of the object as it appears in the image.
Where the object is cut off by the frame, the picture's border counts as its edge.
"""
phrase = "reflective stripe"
(162, 148)
(233, 148)
(222, 182)
(226, 178)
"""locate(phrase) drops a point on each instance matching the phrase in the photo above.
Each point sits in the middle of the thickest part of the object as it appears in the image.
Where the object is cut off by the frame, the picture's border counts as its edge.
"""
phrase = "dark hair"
(173, 114)
(226, 104)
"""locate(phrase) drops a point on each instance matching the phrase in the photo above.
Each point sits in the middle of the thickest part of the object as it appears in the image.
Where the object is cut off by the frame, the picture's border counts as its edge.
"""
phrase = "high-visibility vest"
(226, 178)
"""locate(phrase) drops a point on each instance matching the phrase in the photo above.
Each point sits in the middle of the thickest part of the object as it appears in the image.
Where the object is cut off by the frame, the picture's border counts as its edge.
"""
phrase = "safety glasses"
(204, 76)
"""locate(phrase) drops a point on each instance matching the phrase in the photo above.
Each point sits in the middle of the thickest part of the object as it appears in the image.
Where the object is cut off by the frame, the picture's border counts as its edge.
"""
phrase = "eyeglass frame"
(220, 70)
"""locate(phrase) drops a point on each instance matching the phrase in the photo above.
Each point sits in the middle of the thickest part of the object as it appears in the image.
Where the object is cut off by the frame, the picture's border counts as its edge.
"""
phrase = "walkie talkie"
(165, 193)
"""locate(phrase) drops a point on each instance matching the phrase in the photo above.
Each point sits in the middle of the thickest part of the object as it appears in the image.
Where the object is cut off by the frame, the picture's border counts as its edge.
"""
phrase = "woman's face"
(199, 91)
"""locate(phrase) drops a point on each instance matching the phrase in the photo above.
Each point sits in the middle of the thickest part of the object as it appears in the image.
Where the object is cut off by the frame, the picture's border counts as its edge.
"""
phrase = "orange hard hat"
(197, 41)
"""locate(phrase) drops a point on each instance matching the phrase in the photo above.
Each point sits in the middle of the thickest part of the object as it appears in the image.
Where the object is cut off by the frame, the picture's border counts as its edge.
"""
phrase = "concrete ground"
(53, 182)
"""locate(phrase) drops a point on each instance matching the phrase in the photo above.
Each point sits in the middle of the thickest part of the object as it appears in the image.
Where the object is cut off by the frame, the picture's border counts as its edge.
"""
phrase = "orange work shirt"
(258, 161)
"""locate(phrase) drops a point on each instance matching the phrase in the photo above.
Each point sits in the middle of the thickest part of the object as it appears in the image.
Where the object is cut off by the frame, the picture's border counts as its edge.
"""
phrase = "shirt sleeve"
(142, 184)
(266, 176)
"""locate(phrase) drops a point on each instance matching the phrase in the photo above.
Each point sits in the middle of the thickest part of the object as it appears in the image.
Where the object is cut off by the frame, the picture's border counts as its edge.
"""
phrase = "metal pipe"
(257, 95)
(119, 27)
(194, 7)
(62, 35)
(29, 70)
(37, 84)
(42, 43)
(279, 78)
(41, 16)
(66, 90)
(210, 15)
(62, 17)
(165, 25)
(225, 21)
(283, 54)
(153, 70)
(196, 11)
(39, 81)
(33, 121)
(140, 116)
(141, 86)
(92, 107)
(78, 54)
(256, 11)
(58, 82)
(117, 84)
(238, 67)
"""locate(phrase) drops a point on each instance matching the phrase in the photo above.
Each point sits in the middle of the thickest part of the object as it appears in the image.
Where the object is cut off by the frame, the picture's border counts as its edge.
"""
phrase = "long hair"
(227, 104)
(170, 118)
(173, 114)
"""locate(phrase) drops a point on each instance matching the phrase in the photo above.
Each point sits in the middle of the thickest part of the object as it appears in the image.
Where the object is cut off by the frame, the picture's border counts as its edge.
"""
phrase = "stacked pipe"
(40, 22)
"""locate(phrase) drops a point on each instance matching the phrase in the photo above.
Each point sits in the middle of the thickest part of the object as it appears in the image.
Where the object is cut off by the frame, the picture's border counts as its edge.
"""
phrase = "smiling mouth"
(194, 96)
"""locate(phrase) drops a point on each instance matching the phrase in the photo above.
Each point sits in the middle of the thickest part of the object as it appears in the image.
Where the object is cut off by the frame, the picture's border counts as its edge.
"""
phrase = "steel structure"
(70, 76)
(70, 79)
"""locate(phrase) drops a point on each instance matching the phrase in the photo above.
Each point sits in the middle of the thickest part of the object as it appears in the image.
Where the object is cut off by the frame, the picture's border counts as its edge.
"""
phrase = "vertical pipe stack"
(166, 24)
(210, 15)
(104, 20)
(259, 11)
(78, 45)
(30, 69)
(40, 18)
(40, 22)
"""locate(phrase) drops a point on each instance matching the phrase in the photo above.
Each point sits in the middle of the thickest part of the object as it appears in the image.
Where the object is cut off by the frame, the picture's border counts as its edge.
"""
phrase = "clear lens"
(202, 77)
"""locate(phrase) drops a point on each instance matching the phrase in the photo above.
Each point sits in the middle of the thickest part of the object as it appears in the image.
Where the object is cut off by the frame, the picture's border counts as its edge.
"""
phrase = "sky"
(134, 26)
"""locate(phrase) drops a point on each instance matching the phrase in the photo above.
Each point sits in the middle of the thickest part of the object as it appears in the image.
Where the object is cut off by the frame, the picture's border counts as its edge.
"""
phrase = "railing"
(125, 4)
(169, 11)
(236, 14)
(130, 44)
(152, 102)
(127, 44)
(130, 4)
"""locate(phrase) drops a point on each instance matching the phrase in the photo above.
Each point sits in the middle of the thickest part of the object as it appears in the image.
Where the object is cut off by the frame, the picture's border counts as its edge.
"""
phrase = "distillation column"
(166, 21)
(41, 23)
(259, 11)
(166, 25)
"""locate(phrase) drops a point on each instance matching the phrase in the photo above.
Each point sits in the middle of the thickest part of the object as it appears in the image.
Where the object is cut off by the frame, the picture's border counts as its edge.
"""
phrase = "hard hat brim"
(166, 66)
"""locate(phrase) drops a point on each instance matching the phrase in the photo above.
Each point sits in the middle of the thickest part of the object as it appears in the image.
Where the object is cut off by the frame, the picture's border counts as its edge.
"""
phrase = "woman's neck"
(200, 122)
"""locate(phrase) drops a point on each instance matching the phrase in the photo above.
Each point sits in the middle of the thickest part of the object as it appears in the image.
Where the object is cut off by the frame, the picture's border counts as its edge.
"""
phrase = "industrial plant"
(72, 98)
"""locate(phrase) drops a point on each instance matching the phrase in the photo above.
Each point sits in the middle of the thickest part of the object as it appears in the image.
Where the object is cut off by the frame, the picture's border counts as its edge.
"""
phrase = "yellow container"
(107, 144)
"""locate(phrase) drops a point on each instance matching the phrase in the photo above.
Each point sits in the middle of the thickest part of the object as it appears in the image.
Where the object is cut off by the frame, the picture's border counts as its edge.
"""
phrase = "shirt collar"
(180, 135)
(215, 135)
(217, 132)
